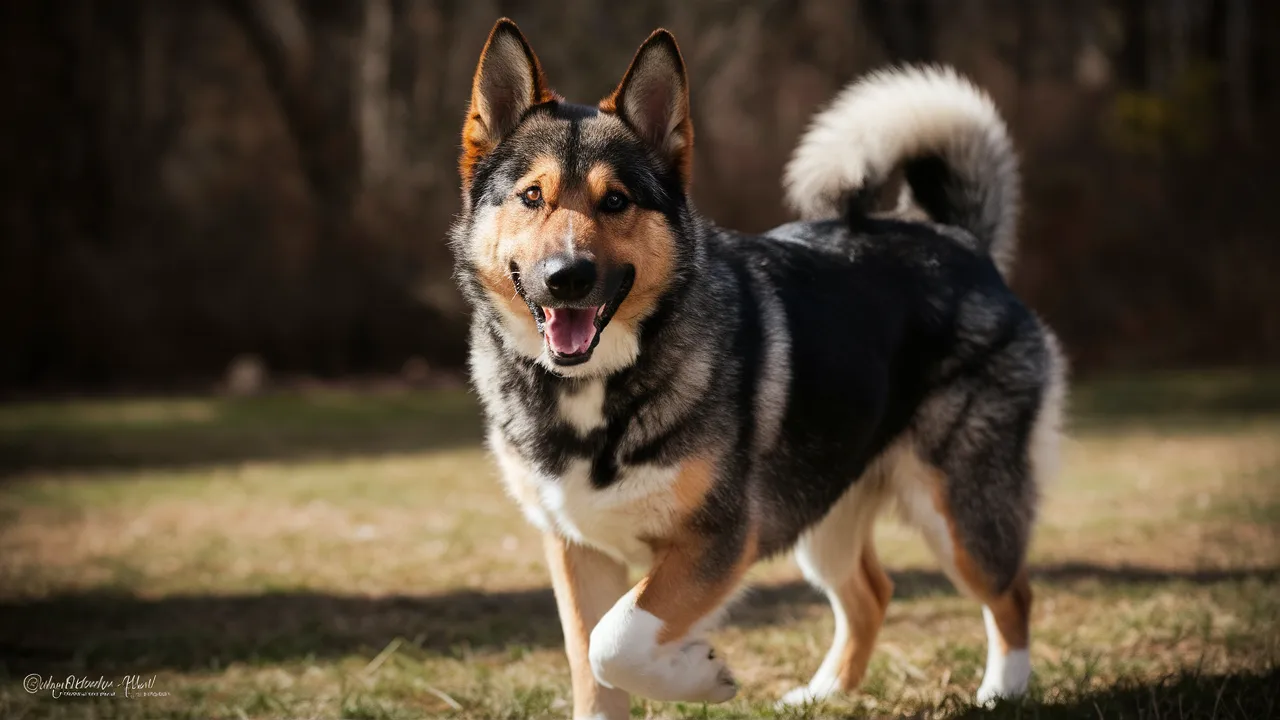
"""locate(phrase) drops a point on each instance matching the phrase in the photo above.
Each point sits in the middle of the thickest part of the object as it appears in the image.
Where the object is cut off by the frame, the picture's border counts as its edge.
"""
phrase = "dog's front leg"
(587, 583)
(650, 642)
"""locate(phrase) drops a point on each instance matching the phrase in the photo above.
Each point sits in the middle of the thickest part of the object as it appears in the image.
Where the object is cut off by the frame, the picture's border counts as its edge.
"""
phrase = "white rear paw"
(989, 693)
(801, 696)
(1006, 677)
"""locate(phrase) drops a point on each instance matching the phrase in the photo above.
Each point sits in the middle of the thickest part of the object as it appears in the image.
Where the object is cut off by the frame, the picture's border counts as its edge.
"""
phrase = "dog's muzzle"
(572, 298)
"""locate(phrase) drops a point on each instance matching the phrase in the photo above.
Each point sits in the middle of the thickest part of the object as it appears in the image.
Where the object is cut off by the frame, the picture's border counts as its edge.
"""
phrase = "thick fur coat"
(669, 395)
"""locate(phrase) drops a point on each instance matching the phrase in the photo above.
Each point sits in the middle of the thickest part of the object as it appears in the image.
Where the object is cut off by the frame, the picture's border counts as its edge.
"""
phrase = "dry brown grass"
(400, 582)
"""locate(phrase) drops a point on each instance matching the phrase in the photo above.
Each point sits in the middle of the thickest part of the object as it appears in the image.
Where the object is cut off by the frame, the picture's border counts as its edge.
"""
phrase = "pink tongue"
(570, 330)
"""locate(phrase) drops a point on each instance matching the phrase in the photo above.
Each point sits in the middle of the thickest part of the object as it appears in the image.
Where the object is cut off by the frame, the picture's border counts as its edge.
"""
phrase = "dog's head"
(572, 214)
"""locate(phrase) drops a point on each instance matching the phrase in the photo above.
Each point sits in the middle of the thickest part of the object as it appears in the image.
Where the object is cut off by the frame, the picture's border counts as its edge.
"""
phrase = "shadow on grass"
(1241, 696)
(129, 434)
(105, 633)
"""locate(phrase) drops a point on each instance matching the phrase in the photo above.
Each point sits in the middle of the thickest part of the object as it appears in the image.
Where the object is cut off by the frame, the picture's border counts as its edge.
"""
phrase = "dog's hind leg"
(1007, 617)
(1006, 609)
(966, 555)
(838, 556)
(985, 445)
(975, 502)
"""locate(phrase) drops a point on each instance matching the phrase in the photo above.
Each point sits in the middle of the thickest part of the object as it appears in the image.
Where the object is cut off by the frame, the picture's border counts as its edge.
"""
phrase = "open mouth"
(572, 333)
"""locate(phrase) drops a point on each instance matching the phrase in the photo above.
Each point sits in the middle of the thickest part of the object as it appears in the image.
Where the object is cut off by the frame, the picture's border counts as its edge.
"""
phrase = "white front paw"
(708, 677)
(689, 672)
(625, 654)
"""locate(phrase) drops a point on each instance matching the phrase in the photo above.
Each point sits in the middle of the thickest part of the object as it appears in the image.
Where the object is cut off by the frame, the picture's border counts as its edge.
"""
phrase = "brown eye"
(532, 196)
(613, 202)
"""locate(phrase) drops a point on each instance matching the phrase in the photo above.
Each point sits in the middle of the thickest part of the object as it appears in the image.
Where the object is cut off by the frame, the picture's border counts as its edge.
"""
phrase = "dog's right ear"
(508, 82)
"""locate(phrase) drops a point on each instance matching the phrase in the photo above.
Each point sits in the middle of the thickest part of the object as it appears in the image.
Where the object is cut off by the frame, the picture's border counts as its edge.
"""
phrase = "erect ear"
(653, 98)
(508, 82)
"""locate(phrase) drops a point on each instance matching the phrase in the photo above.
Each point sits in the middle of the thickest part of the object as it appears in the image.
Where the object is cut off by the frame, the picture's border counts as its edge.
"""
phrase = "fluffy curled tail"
(944, 133)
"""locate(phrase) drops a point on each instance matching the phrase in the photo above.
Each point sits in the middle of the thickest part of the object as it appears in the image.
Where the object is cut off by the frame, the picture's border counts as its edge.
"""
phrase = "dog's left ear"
(653, 98)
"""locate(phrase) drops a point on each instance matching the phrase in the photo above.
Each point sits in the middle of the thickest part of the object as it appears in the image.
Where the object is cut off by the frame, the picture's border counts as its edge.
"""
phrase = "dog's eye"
(614, 201)
(532, 196)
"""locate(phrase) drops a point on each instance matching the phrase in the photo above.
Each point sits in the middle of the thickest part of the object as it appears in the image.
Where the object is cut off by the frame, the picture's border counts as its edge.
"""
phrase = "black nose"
(568, 278)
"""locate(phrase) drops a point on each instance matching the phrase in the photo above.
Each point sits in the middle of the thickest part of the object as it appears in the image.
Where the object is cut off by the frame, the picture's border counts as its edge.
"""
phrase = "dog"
(666, 394)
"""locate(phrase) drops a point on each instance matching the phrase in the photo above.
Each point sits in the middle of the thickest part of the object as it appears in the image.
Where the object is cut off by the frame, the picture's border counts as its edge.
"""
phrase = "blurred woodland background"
(190, 182)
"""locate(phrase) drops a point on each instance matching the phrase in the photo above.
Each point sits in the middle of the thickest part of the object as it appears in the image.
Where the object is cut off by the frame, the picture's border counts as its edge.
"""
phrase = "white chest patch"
(617, 519)
(583, 410)
(641, 503)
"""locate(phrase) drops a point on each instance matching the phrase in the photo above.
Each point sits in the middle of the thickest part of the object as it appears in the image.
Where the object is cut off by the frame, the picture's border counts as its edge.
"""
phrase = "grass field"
(341, 554)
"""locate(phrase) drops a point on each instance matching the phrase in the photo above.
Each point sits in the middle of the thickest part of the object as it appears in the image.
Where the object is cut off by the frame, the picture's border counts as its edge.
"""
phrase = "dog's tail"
(945, 134)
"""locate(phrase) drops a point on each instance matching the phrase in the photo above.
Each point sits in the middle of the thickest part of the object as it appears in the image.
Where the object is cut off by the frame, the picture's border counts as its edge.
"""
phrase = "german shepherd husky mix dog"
(667, 394)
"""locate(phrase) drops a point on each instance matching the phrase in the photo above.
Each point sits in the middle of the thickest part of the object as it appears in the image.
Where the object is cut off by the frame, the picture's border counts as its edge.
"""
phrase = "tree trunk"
(1238, 57)
(374, 66)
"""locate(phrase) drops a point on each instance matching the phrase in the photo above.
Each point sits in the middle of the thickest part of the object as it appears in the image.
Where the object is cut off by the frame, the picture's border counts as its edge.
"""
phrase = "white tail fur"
(893, 117)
